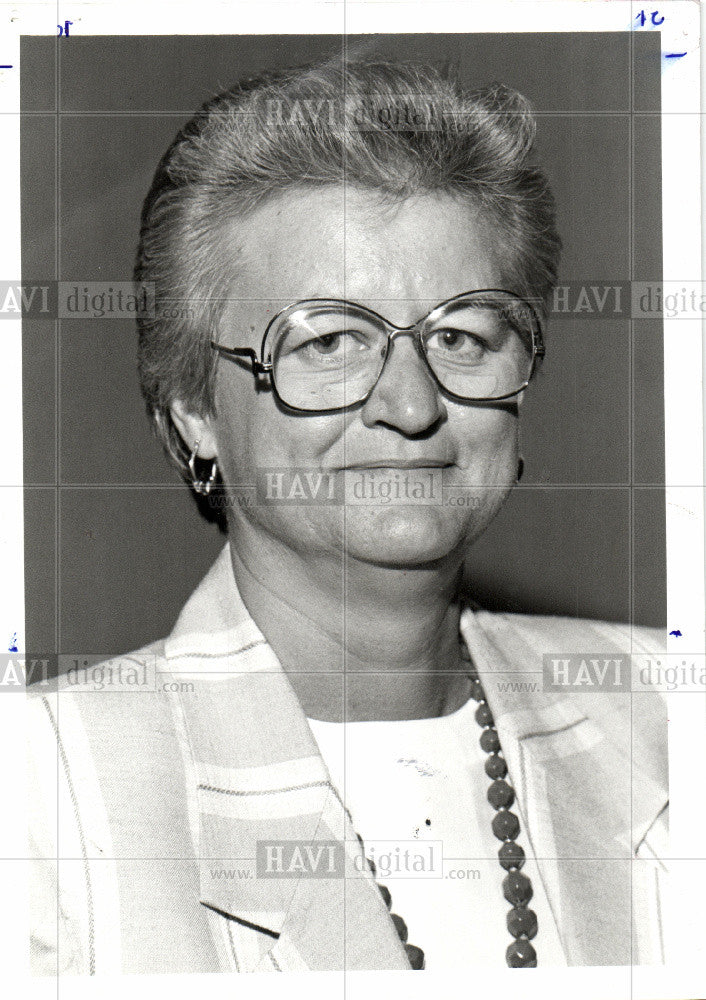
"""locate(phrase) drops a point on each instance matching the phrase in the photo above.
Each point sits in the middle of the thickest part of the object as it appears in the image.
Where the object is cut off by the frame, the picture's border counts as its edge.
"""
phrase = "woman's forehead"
(347, 243)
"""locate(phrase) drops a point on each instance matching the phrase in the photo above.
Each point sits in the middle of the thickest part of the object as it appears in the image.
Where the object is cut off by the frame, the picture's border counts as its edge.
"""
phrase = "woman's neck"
(358, 642)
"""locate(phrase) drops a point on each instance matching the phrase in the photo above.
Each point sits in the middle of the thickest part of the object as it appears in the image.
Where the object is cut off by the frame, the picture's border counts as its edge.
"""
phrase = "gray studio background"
(113, 549)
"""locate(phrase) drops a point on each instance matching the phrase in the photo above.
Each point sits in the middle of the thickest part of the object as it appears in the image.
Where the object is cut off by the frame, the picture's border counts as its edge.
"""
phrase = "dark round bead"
(517, 888)
(477, 692)
(521, 955)
(495, 766)
(400, 926)
(521, 921)
(415, 956)
(511, 855)
(501, 795)
(505, 825)
(484, 717)
(489, 741)
(386, 895)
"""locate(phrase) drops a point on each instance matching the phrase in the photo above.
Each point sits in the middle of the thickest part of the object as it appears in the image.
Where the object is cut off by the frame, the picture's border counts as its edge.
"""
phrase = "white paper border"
(684, 977)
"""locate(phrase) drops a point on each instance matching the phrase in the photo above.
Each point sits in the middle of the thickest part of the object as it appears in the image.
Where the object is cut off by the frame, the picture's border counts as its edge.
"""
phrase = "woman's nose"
(406, 395)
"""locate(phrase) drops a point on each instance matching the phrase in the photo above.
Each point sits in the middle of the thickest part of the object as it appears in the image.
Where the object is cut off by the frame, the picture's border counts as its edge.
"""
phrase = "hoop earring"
(520, 469)
(201, 486)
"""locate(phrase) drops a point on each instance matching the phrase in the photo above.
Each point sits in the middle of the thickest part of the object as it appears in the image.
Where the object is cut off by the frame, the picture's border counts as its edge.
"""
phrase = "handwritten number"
(655, 19)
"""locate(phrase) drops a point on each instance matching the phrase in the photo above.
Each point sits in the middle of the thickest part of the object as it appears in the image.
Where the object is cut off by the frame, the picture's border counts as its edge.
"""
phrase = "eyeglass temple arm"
(259, 367)
(538, 342)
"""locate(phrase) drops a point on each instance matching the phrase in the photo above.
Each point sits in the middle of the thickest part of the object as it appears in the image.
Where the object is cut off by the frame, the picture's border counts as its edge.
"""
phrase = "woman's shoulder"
(599, 670)
(131, 672)
(557, 633)
(96, 708)
(104, 734)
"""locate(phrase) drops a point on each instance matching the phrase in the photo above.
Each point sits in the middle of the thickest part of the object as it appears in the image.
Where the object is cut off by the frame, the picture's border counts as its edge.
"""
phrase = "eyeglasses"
(324, 355)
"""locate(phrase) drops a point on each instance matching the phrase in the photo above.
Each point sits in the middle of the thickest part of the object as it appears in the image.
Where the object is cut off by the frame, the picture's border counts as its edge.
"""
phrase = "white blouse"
(424, 780)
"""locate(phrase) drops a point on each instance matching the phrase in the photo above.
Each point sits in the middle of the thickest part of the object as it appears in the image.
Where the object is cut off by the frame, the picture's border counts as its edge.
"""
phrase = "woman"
(364, 257)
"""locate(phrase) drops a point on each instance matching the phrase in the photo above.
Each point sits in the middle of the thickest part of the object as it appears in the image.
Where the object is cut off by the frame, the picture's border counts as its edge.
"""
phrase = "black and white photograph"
(357, 385)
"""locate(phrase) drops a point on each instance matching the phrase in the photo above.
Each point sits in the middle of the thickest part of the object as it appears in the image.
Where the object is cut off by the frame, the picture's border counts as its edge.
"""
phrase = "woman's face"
(401, 261)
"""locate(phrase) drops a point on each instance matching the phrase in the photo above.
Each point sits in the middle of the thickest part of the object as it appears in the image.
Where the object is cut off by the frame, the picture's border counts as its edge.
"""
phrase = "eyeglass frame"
(262, 367)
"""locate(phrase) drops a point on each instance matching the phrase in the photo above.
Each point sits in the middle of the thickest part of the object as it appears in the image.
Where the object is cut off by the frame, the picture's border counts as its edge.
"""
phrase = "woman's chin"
(405, 535)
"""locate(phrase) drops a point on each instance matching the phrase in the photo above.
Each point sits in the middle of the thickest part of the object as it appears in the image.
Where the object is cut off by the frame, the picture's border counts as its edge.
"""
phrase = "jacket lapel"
(581, 789)
(259, 778)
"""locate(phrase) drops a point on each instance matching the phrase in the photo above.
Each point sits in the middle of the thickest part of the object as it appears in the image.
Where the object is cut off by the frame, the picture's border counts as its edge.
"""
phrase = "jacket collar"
(588, 785)
(259, 777)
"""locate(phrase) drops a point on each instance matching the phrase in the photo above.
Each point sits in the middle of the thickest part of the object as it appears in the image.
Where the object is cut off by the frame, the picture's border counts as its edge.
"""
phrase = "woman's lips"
(396, 463)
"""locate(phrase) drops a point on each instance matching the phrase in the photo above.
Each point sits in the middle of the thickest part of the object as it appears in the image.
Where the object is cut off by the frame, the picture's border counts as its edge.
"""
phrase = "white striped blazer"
(147, 803)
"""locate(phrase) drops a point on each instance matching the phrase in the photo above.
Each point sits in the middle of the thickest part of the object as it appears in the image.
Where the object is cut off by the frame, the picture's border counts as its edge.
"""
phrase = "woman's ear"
(194, 429)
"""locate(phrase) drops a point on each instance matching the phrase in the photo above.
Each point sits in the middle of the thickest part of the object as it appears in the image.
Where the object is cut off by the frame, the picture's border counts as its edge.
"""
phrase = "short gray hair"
(320, 125)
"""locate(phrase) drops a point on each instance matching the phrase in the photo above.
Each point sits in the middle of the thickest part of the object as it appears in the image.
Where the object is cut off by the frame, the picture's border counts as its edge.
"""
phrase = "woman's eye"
(338, 344)
(329, 343)
(456, 342)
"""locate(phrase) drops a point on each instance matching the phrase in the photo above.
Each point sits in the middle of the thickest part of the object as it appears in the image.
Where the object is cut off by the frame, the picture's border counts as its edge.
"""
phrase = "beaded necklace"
(517, 887)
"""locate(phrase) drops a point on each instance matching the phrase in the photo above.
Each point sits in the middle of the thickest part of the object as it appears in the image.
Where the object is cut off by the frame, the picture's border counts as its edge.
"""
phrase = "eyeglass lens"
(329, 355)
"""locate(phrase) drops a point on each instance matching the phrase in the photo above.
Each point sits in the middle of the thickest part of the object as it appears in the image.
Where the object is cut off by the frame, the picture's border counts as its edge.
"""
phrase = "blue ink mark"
(642, 18)
(12, 648)
(65, 29)
(676, 633)
(674, 55)
(5, 67)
